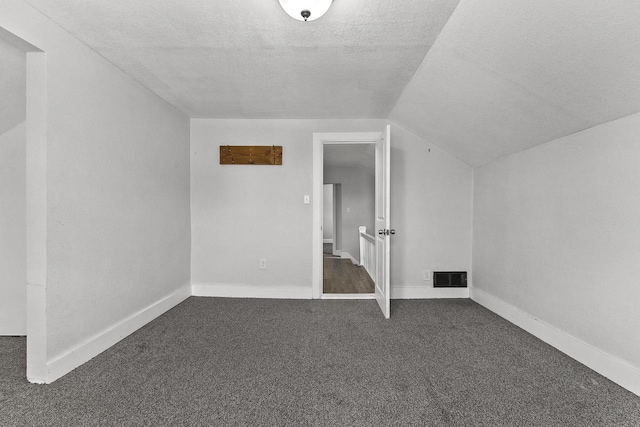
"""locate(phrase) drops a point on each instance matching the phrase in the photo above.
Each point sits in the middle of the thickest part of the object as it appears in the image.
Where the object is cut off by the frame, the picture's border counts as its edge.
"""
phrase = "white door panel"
(383, 198)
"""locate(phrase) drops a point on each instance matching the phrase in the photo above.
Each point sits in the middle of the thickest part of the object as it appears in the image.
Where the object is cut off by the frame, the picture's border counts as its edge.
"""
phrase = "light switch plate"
(307, 199)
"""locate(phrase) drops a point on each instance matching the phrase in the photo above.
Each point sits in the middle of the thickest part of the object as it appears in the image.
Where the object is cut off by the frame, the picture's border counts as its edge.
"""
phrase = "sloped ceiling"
(481, 79)
(13, 92)
(507, 75)
(248, 59)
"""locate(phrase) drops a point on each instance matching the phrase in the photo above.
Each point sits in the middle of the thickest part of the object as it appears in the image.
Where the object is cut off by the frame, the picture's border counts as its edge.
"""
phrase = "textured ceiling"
(13, 92)
(507, 75)
(249, 59)
(481, 80)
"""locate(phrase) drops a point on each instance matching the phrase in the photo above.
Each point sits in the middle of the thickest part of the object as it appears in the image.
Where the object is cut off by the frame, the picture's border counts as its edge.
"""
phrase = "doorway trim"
(320, 139)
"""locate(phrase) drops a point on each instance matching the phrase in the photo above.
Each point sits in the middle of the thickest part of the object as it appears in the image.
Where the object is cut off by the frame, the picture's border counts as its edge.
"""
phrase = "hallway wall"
(358, 202)
(13, 251)
(327, 212)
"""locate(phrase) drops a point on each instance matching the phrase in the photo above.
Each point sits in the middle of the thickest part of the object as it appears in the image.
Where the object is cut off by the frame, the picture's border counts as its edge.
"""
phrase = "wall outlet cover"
(426, 275)
(263, 264)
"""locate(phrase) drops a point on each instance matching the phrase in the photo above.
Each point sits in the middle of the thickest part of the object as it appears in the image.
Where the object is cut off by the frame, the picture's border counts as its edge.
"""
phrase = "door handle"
(393, 231)
(381, 232)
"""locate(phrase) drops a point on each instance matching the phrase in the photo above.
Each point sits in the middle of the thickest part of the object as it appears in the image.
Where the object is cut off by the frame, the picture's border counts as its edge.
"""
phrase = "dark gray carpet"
(274, 362)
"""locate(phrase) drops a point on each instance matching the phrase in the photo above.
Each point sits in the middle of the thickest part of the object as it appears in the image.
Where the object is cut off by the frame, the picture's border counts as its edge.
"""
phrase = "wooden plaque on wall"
(251, 155)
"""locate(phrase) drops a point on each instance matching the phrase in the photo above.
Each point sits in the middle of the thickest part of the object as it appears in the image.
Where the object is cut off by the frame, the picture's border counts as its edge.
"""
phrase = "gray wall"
(358, 202)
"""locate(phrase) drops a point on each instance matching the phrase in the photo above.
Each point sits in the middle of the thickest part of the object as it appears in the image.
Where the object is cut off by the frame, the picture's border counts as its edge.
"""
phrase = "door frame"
(320, 139)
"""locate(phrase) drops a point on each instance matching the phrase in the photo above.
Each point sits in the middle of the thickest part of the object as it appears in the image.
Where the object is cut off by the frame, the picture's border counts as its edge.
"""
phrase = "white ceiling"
(507, 75)
(502, 76)
(249, 59)
(13, 92)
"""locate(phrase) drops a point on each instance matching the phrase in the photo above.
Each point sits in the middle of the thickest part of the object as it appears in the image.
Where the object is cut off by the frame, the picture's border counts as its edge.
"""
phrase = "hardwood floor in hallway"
(341, 276)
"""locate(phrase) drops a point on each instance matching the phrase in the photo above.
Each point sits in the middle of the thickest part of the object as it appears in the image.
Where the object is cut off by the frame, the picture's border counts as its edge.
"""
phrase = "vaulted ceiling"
(481, 79)
(504, 76)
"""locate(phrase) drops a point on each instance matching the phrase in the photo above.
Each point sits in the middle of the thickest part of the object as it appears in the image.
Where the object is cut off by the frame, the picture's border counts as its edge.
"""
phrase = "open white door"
(383, 207)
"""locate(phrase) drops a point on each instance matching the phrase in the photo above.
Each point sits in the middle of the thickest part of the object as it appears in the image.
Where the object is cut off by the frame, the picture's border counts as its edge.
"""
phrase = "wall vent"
(449, 279)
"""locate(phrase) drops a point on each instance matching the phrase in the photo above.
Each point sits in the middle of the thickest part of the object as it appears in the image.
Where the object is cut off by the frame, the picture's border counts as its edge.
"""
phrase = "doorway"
(348, 215)
(381, 248)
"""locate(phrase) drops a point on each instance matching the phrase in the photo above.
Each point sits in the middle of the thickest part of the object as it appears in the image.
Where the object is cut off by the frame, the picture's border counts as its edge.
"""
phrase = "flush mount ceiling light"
(305, 10)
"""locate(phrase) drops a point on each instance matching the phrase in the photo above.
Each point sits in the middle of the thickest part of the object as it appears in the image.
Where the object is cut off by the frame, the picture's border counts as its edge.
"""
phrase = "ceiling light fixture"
(305, 10)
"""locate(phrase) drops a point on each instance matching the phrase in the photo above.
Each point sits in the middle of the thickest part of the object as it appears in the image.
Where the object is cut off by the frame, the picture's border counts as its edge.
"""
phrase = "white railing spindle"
(367, 252)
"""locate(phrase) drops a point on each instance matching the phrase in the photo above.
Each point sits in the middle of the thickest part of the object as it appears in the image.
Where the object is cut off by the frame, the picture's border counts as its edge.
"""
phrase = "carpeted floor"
(319, 363)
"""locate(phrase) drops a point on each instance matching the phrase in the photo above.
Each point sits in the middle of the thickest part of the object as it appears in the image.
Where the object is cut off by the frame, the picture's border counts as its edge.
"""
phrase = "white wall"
(243, 213)
(13, 252)
(240, 214)
(12, 85)
(431, 211)
(557, 235)
(118, 231)
(327, 212)
(358, 202)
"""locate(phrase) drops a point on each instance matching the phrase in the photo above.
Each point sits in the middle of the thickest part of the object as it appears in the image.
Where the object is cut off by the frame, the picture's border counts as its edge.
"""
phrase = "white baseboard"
(347, 255)
(97, 344)
(327, 241)
(36, 333)
(605, 364)
(250, 291)
(427, 292)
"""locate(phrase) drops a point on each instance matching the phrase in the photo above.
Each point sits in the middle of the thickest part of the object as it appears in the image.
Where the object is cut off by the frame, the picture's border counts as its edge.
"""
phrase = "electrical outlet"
(426, 275)
(263, 264)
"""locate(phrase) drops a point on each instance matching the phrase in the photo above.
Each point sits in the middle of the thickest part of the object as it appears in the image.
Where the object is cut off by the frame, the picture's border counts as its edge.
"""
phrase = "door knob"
(393, 231)
(381, 232)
